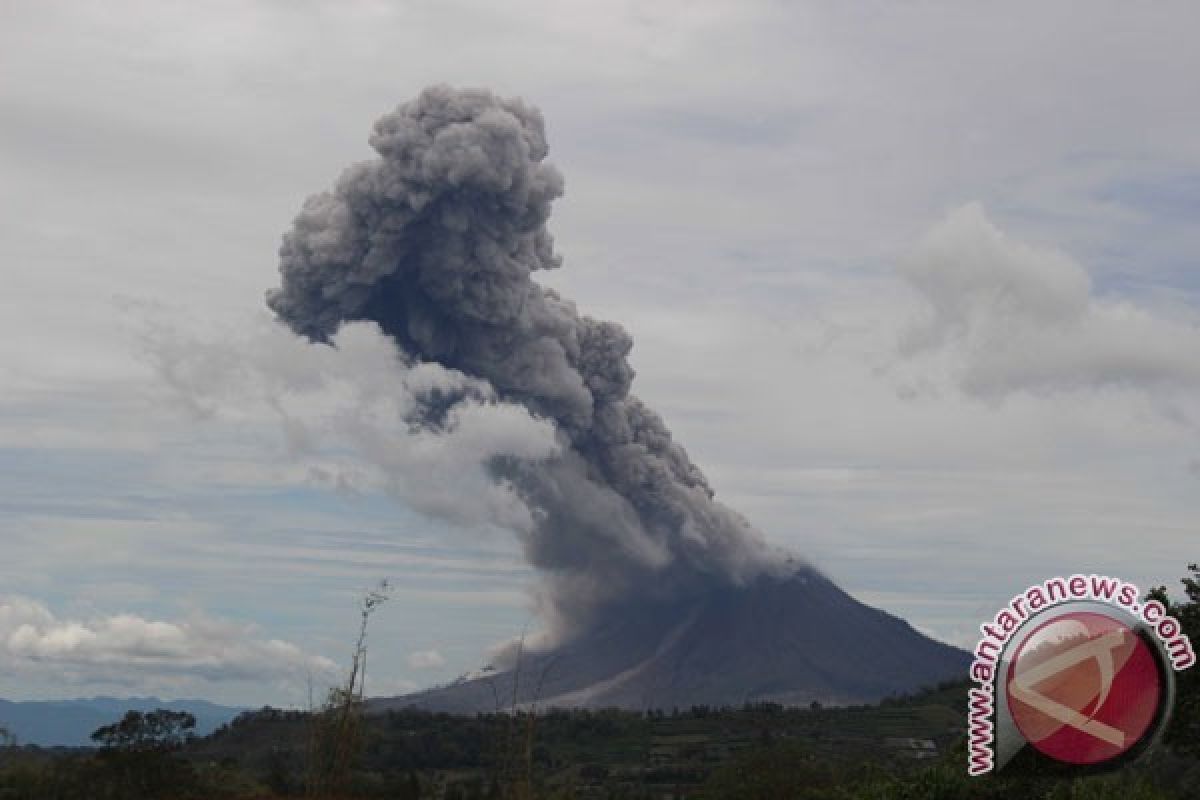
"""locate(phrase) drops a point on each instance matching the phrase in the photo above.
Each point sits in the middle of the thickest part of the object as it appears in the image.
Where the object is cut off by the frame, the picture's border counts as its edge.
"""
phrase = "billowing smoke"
(437, 241)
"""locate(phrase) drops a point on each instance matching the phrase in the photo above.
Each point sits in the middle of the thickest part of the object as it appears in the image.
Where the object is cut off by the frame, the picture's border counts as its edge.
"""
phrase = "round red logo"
(1084, 688)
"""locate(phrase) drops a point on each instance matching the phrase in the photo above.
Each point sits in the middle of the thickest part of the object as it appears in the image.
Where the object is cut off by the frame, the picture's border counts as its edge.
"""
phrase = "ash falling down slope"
(651, 592)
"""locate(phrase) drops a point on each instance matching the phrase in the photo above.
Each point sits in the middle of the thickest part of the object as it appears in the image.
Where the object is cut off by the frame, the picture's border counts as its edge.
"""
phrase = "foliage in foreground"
(781, 754)
(772, 771)
(791, 771)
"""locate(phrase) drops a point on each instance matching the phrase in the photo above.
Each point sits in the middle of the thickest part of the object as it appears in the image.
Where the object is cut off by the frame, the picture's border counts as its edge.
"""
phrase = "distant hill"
(790, 640)
(69, 723)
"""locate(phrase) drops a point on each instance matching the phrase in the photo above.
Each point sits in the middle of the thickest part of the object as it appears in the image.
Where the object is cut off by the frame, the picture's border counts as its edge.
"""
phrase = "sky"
(915, 285)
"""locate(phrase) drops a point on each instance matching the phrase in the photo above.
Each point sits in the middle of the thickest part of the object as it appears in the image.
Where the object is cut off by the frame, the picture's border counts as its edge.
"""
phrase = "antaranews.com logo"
(1080, 669)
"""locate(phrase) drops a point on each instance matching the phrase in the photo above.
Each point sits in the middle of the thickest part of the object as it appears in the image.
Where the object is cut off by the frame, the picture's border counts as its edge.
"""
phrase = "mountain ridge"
(791, 640)
(70, 722)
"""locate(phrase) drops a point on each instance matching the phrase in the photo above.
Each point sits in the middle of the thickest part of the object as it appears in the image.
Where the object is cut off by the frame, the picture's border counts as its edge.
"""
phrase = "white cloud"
(426, 659)
(345, 408)
(1014, 316)
(737, 174)
(130, 649)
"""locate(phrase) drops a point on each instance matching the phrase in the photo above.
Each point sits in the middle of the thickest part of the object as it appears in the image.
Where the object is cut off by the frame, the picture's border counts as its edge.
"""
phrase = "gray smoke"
(437, 241)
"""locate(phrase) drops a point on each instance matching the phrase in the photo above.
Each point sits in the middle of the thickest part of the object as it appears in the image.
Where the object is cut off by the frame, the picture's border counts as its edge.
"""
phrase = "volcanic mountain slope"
(435, 244)
(785, 640)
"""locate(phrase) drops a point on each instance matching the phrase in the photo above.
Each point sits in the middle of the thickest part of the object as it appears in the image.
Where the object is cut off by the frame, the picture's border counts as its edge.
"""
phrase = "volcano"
(655, 592)
(787, 640)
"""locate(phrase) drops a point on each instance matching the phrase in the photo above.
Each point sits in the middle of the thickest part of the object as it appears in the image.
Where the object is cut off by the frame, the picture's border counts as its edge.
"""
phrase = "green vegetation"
(140, 758)
(1183, 734)
(906, 748)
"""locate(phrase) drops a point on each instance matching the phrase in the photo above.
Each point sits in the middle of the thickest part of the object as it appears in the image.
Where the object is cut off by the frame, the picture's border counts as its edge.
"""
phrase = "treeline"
(759, 751)
(138, 756)
(791, 770)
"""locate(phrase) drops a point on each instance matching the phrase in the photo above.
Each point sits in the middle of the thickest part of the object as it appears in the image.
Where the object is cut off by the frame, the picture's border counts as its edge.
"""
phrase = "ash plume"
(437, 241)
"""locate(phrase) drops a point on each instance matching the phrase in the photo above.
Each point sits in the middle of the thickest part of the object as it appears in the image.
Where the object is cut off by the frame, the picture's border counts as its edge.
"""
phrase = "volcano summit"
(790, 641)
(651, 591)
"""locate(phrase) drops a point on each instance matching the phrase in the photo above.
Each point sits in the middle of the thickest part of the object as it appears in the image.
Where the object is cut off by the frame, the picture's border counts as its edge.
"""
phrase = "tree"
(1183, 733)
(161, 730)
(139, 759)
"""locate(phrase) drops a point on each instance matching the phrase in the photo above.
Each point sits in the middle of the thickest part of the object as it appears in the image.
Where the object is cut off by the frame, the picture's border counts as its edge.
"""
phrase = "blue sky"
(776, 199)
